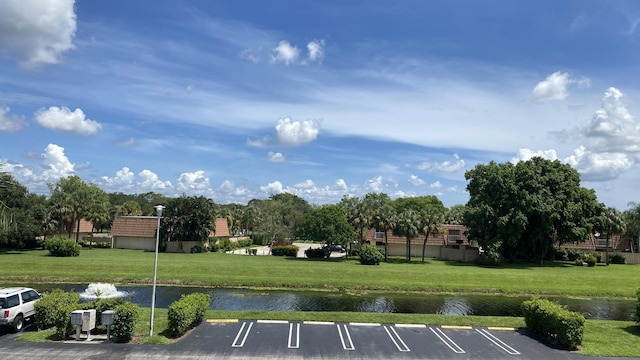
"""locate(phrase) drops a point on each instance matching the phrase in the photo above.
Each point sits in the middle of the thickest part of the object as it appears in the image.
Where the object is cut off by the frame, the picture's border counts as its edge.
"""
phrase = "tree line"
(515, 212)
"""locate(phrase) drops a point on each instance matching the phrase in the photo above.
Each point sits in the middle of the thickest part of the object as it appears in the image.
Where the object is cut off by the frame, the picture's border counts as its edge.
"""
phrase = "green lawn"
(601, 338)
(223, 270)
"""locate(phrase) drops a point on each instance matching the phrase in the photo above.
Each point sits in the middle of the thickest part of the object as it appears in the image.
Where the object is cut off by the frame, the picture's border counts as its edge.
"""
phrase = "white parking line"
(421, 326)
(363, 324)
(318, 323)
(272, 322)
(447, 341)
(345, 338)
(499, 343)
(402, 347)
(294, 336)
(241, 344)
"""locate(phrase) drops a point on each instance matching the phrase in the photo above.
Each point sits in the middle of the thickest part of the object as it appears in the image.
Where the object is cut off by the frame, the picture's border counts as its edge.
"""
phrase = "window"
(379, 234)
(30, 295)
(12, 301)
(454, 235)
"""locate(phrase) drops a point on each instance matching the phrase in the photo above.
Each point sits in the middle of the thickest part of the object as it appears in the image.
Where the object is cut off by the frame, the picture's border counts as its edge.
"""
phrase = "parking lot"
(286, 339)
(259, 339)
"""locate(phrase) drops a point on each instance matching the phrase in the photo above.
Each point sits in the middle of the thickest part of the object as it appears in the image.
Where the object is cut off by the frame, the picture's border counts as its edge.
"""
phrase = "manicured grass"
(601, 338)
(223, 270)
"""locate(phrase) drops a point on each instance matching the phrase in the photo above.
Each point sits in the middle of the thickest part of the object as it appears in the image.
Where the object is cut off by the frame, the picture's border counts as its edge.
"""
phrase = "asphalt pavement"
(256, 339)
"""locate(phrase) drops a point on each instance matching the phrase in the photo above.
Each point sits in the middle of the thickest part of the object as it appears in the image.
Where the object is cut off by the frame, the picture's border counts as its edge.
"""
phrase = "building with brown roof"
(134, 232)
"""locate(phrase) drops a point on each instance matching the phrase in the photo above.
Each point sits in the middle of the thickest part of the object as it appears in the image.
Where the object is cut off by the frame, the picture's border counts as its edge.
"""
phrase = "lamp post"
(159, 209)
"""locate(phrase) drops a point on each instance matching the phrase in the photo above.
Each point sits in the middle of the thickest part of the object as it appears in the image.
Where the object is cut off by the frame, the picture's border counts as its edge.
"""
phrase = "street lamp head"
(159, 209)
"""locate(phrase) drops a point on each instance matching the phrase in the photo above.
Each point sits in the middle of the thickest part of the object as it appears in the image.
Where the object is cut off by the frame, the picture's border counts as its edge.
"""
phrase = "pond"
(279, 300)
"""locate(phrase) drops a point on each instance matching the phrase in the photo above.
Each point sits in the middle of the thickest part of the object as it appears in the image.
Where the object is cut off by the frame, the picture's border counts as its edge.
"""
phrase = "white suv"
(16, 305)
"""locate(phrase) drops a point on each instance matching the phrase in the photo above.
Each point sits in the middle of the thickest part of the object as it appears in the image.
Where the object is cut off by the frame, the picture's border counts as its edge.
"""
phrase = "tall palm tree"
(407, 225)
(431, 219)
(612, 222)
(632, 218)
(385, 220)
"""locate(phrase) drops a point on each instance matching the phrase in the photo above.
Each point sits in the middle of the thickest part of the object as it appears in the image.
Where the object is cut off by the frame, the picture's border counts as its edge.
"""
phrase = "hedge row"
(284, 250)
(638, 307)
(554, 322)
(54, 310)
(187, 312)
(316, 253)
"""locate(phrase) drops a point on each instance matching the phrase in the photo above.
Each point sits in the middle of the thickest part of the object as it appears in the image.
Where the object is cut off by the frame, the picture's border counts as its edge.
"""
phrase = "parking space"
(364, 340)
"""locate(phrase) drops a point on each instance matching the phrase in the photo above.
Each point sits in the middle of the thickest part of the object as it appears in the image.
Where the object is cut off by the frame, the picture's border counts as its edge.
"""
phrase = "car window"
(3, 303)
(29, 296)
(12, 301)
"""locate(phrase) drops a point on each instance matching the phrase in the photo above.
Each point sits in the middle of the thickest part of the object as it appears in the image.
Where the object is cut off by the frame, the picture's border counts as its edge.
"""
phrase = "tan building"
(452, 244)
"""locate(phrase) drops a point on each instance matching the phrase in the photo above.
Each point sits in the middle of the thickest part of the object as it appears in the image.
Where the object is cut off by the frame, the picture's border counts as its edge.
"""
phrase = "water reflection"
(483, 305)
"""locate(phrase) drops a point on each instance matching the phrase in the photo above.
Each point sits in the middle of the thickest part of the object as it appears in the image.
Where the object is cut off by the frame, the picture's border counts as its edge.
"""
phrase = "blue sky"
(236, 100)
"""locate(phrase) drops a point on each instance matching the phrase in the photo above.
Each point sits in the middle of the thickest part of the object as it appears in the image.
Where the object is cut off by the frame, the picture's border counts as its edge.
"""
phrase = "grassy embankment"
(602, 338)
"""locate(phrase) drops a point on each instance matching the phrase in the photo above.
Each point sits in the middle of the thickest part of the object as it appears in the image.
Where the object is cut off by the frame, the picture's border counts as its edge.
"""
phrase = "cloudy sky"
(236, 100)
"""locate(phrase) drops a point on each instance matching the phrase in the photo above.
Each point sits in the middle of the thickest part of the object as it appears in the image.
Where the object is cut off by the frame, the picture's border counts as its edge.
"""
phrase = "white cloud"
(612, 128)
(316, 50)
(285, 53)
(599, 166)
(38, 31)
(415, 180)
(250, 55)
(375, 184)
(194, 183)
(340, 185)
(307, 184)
(525, 154)
(272, 188)
(445, 166)
(63, 119)
(151, 181)
(296, 132)
(258, 143)
(124, 178)
(127, 143)
(10, 123)
(435, 185)
(276, 157)
(56, 164)
(554, 87)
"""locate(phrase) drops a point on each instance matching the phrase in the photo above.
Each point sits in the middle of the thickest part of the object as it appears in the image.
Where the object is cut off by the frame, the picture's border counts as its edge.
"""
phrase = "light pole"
(159, 209)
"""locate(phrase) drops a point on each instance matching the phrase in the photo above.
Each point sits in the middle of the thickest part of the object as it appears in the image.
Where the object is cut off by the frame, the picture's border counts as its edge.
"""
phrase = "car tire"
(18, 324)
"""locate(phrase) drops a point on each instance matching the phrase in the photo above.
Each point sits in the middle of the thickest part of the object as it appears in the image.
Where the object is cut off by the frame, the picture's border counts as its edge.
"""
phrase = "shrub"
(354, 252)
(225, 245)
(105, 304)
(554, 322)
(261, 240)
(617, 259)
(560, 254)
(125, 317)
(245, 242)
(48, 308)
(187, 312)
(573, 254)
(284, 250)
(63, 320)
(62, 247)
(638, 307)
(591, 259)
(370, 255)
(315, 253)
(199, 249)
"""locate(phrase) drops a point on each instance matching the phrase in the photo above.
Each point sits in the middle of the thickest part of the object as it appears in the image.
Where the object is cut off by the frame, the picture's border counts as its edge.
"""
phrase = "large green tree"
(407, 224)
(74, 199)
(520, 211)
(327, 224)
(189, 218)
